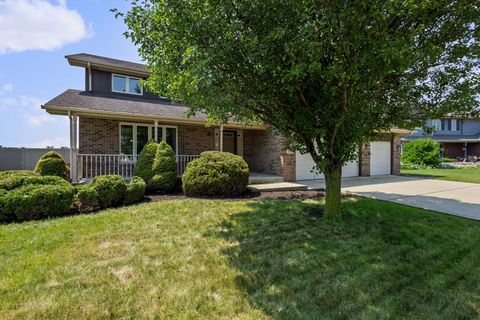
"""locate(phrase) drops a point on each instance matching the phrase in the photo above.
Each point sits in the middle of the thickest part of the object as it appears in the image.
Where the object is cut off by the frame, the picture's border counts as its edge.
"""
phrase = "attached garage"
(304, 165)
(380, 158)
(380, 163)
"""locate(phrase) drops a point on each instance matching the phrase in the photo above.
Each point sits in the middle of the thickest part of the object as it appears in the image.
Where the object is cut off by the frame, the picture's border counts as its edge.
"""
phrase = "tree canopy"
(327, 75)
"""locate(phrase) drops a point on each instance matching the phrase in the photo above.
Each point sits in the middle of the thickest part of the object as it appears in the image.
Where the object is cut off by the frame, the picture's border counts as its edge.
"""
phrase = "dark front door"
(230, 141)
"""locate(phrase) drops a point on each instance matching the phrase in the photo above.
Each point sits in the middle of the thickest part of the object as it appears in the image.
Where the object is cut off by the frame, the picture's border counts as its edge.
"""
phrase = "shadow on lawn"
(379, 261)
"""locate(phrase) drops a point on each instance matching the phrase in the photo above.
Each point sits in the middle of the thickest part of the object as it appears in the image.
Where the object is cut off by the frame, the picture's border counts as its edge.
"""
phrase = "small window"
(125, 84)
(119, 84)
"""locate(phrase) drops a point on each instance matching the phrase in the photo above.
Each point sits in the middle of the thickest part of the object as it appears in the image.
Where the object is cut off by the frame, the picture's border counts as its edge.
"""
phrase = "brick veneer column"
(98, 136)
(365, 160)
(288, 166)
(396, 146)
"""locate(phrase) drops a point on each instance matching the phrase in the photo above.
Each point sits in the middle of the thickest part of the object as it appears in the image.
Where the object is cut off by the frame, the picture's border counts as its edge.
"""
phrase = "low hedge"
(10, 182)
(108, 191)
(35, 201)
(52, 164)
(215, 173)
(135, 190)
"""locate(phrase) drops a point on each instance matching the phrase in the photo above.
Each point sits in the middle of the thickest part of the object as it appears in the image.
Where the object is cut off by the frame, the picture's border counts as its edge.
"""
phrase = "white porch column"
(156, 130)
(70, 118)
(221, 138)
(74, 148)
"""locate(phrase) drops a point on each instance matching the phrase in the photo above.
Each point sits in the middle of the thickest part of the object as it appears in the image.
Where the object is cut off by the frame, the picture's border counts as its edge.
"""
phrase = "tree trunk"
(333, 179)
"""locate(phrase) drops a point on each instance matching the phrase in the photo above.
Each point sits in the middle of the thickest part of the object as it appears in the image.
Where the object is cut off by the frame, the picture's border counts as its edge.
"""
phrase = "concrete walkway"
(456, 198)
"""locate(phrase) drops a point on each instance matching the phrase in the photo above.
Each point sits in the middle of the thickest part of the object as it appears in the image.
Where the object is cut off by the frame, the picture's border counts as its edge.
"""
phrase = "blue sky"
(35, 35)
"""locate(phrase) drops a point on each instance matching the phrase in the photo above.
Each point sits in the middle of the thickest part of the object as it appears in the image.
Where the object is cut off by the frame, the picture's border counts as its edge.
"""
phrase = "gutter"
(129, 116)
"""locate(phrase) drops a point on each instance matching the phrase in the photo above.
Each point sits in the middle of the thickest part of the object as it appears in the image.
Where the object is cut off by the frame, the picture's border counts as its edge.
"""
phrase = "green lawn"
(461, 174)
(213, 259)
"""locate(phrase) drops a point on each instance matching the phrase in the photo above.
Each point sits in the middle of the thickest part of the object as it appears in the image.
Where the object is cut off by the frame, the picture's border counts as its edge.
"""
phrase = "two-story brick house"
(114, 117)
(457, 138)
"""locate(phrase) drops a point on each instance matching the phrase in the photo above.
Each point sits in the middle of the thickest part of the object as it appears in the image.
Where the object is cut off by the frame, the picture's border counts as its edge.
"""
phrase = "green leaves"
(327, 75)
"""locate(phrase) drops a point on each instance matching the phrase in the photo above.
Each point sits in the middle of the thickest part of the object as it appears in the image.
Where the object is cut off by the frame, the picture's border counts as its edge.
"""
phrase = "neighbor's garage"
(380, 163)
(380, 158)
(304, 165)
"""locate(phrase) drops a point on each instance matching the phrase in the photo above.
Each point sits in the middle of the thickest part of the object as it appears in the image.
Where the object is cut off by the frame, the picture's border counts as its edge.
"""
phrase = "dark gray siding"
(102, 82)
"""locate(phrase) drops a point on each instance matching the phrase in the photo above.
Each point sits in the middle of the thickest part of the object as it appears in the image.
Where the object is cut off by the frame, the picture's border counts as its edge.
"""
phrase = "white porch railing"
(91, 165)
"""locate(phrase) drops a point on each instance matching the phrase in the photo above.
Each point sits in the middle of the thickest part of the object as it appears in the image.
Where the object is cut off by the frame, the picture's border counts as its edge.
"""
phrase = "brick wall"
(98, 136)
(396, 147)
(365, 160)
(195, 139)
(263, 151)
(454, 150)
(473, 149)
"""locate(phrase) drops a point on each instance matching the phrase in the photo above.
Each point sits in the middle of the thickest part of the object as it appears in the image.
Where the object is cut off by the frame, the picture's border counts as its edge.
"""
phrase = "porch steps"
(263, 178)
(277, 186)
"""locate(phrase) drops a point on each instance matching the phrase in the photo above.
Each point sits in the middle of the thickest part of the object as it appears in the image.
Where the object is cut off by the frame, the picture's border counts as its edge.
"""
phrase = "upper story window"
(447, 125)
(126, 84)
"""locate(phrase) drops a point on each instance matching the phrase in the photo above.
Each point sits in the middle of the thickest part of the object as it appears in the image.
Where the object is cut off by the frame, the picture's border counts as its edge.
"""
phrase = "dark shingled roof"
(117, 103)
(82, 59)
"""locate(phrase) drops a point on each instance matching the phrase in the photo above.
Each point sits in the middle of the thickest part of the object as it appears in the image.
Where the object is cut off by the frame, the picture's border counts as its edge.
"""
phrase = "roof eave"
(63, 111)
(80, 63)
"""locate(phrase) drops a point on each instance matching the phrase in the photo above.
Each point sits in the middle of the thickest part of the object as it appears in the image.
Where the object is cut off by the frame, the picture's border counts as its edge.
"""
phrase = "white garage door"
(380, 158)
(304, 165)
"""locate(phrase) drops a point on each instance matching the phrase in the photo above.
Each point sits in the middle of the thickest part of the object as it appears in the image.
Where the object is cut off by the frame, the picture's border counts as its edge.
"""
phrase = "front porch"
(102, 146)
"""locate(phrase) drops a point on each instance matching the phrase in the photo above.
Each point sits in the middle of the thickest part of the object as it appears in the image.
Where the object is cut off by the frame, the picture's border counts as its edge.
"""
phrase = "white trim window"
(134, 136)
(126, 84)
(437, 125)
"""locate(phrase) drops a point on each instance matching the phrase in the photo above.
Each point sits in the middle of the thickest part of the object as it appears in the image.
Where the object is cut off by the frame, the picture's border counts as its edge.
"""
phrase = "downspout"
(71, 144)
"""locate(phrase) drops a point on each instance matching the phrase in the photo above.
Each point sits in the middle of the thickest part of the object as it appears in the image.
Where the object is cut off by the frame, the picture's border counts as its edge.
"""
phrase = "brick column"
(365, 160)
(396, 145)
(288, 166)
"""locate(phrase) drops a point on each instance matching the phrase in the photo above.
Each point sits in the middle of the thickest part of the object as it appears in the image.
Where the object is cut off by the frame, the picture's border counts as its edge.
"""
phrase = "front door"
(230, 141)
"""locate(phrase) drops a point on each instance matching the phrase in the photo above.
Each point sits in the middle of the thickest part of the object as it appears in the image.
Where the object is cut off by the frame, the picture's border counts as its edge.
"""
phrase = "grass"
(457, 174)
(207, 259)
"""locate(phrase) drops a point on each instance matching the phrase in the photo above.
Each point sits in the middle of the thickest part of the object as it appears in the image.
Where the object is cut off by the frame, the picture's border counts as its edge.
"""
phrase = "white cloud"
(38, 25)
(7, 88)
(53, 142)
(39, 120)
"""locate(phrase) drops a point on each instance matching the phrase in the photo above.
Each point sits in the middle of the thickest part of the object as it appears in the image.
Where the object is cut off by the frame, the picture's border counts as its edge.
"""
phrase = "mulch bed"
(249, 195)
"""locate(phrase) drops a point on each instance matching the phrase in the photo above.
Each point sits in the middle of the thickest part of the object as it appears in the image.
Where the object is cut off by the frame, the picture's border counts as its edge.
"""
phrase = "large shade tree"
(328, 75)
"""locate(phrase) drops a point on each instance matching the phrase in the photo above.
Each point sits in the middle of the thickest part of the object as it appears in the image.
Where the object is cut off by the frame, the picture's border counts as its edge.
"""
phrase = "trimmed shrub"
(19, 173)
(421, 152)
(144, 165)
(85, 199)
(35, 201)
(215, 173)
(52, 164)
(164, 169)
(110, 189)
(135, 190)
(10, 182)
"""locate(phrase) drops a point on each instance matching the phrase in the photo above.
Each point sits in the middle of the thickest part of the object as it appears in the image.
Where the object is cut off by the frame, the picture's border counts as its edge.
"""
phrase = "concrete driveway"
(456, 198)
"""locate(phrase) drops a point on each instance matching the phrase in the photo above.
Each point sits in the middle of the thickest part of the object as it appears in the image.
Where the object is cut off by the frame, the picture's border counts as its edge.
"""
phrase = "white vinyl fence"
(26, 158)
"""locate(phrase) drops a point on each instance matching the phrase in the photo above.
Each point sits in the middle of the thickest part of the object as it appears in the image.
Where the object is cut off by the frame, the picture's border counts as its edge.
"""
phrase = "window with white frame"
(134, 136)
(437, 124)
(126, 84)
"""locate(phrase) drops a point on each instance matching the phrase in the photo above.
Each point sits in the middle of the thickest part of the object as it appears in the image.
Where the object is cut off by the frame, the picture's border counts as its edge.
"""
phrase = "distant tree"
(328, 75)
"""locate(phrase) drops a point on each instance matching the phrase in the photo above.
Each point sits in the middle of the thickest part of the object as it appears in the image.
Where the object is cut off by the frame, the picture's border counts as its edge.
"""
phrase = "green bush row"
(108, 191)
(25, 195)
(421, 152)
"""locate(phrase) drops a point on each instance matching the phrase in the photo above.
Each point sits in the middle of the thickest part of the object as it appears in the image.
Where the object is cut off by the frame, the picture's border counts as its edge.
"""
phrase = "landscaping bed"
(279, 195)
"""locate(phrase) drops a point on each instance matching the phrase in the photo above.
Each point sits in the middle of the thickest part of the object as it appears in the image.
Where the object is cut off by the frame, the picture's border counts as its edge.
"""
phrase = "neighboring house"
(457, 138)
(114, 117)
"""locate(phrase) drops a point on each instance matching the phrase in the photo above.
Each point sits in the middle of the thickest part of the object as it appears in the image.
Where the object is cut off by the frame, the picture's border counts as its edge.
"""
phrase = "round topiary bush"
(52, 164)
(110, 190)
(50, 197)
(144, 165)
(215, 173)
(421, 152)
(135, 190)
(164, 169)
